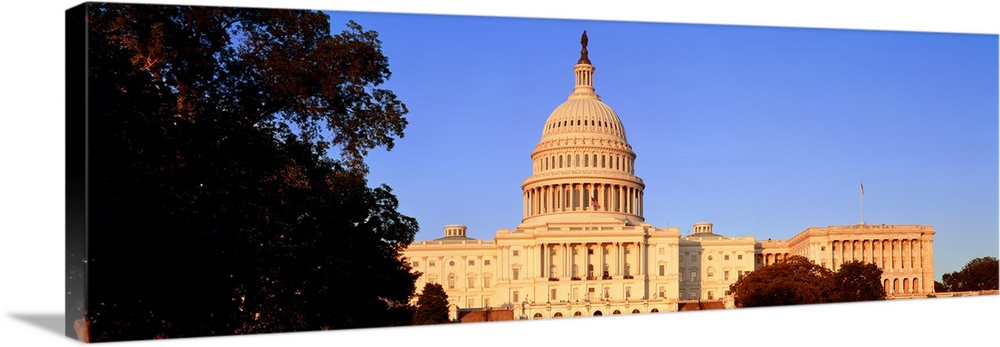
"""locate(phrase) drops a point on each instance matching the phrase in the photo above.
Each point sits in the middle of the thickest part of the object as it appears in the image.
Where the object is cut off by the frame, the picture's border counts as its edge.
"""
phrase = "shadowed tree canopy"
(979, 274)
(793, 281)
(432, 306)
(797, 280)
(215, 207)
(857, 281)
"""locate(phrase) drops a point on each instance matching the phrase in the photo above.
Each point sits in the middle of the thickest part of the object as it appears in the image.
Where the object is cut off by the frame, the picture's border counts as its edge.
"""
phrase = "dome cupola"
(583, 163)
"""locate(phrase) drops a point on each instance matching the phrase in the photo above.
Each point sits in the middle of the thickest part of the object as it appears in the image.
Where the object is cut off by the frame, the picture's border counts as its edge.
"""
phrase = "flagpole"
(862, 203)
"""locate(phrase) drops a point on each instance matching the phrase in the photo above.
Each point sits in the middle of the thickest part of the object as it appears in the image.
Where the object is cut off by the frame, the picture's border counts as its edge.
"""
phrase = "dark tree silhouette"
(857, 281)
(978, 274)
(793, 281)
(432, 306)
(214, 207)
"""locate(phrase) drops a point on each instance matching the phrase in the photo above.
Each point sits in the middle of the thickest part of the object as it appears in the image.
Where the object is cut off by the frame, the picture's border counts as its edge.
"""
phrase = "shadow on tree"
(214, 206)
(797, 280)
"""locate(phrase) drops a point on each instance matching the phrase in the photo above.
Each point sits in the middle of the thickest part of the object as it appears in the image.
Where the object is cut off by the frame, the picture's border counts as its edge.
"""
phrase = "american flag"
(862, 189)
(593, 202)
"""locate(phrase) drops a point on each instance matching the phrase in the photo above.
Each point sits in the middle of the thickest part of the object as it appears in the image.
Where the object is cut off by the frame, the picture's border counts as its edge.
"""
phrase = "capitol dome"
(583, 166)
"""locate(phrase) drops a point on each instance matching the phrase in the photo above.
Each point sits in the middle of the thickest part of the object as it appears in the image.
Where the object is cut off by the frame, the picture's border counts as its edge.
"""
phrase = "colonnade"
(591, 261)
(771, 258)
(575, 197)
(888, 254)
(612, 161)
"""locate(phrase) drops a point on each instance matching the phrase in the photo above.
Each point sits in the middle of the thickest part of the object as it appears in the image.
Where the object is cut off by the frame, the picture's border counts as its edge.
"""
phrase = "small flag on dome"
(593, 202)
(862, 189)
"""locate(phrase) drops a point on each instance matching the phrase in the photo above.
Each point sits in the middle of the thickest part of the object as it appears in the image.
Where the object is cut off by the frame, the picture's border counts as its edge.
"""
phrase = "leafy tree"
(978, 274)
(432, 306)
(215, 207)
(793, 281)
(857, 281)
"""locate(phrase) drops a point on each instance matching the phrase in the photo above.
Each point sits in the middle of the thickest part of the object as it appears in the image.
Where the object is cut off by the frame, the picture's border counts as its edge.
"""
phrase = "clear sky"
(762, 131)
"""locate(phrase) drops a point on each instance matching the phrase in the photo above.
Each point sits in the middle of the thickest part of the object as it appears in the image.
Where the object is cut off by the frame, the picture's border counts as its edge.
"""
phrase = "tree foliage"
(432, 305)
(978, 274)
(215, 207)
(797, 280)
(857, 281)
(793, 281)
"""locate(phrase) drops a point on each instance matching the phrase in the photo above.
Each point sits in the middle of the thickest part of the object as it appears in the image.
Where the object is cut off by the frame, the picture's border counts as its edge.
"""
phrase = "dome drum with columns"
(583, 247)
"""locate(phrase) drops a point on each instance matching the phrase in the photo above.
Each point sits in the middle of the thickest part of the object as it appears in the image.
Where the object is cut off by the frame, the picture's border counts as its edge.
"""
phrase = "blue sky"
(762, 131)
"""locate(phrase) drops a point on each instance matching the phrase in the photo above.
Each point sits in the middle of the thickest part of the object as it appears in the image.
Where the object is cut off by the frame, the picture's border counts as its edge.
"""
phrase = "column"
(567, 260)
(618, 259)
(542, 263)
(621, 199)
(604, 260)
(524, 204)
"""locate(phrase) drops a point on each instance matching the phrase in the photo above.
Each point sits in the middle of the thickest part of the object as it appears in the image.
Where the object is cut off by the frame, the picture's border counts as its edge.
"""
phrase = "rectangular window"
(472, 303)
(739, 275)
(663, 270)
(662, 292)
(628, 292)
(694, 258)
(552, 295)
(739, 257)
(472, 282)
(694, 276)
(725, 257)
(515, 272)
(486, 281)
(726, 276)
(486, 262)
(516, 297)
(472, 263)
(416, 264)
(576, 292)
(516, 253)
(662, 250)
(432, 263)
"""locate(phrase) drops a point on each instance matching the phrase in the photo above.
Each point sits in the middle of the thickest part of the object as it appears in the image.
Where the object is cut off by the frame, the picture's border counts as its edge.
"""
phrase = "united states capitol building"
(584, 247)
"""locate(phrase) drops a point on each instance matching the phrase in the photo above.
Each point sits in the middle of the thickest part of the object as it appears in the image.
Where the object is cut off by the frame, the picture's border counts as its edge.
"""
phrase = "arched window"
(711, 271)
(635, 311)
(654, 311)
(451, 281)
(537, 316)
(598, 313)
(616, 312)
(557, 315)
(586, 161)
(577, 314)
